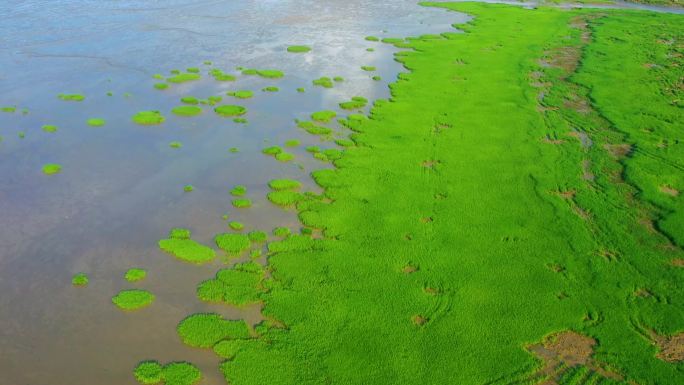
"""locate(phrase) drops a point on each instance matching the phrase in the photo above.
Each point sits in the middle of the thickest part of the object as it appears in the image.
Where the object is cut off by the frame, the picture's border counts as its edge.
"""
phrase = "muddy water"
(121, 188)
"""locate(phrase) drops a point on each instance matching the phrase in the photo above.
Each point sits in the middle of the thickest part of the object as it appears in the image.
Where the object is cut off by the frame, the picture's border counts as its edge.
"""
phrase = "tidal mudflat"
(448, 193)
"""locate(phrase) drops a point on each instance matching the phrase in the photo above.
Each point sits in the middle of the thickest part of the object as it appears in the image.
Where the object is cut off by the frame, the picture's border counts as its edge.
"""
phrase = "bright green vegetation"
(158, 76)
(281, 232)
(273, 150)
(221, 76)
(193, 70)
(189, 100)
(284, 156)
(270, 89)
(313, 149)
(52, 168)
(204, 330)
(242, 203)
(313, 128)
(338, 79)
(148, 118)
(240, 285)
(71, 97)
(298, 49)
(186, 110)
(372, 38)
(232, 243)
(49, 128)
(161, 86)
(229, 110)
(173, 373)
(8, 109)
(238, 190)
(523, 181)
(292, 143)
(345, 142)
(188, 188)
(133, 299)
(285, 198)
(301, 90)
(135, 275)
(376, 78)
(242, 94)
(182, 247)
(236, 225)
(368, 68)
(175, 144)
(257, 236)
(269, 74)
(96, 122)
(80, 279)
(356, 102)
(323, 82)
(240, 120)
(183, 77)
(323, 116)
(284, 184)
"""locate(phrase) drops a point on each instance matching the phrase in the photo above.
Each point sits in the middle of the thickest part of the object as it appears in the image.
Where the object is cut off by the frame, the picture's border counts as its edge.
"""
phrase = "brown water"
(121, 188)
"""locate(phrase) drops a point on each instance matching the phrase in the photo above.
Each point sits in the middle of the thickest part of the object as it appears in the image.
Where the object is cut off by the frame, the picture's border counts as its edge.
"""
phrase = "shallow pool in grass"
(123, 183)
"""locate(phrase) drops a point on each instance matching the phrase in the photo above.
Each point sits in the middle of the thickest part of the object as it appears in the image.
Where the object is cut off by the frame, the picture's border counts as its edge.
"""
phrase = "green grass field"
(511, 216)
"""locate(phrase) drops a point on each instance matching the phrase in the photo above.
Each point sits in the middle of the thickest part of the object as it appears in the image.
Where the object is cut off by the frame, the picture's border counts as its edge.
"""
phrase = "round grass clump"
(229, 110)
(189, 100)
(257, 236)
(135, 275)
(148, 372)
(292, 143)
(284, 184)
(186, 110)
(133, 299)
(284, 156)
(52, 168)
(285, 198)
(236, 225)
(298, 49)
(80, 279)
(238, 190)
(49, 128)
(242, 94)
(324, 81)
(242, 203)
(71, 97)
(204, 330)
(148, 118)
(270, 89)
(96, 122)
(232, 243)
(181, 373)
(281, 232)
(182, 247)
(323, 116)
(273, 150)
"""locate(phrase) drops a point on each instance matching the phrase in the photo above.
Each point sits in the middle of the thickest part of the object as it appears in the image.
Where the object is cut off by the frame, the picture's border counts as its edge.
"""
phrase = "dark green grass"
(133, 299)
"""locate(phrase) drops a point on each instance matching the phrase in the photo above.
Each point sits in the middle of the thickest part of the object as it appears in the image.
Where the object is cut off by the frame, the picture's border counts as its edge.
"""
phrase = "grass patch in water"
(80, 279)
(323, 81)
(49, 128)
(240, 120)
(242, 203)
(285, 198)
(230, 110)
(368, 68)
(292, 143)
(237, 226)
(284, 184)
(356, 102)
(270, 89)
(96, 122)
(8, 109)
(313, 128)
(135, 275)
(372, 38)
(189, 100)
(175, 144)
(284, 156)
(173, 373)
(242, 94)
(221, 76)
(148, 118)
(204, 330)
(182, 247)
(186, 110)
(161, 86)
(188, 188)
(232, 243)
(193, 70)
(377, 78)
(370, 49)
(52, 168)
(273, 150)
(323, 116)
(281, 232)
(313, 149)
(269, 74)
(237, 286)
(71, 97)
(238, 190)
(338, 79)
(298, 49)
(133, 299)
(183, 77)
(257, 236)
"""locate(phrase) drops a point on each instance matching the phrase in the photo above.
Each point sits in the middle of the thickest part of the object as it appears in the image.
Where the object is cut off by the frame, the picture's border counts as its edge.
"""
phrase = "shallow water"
(121, 187)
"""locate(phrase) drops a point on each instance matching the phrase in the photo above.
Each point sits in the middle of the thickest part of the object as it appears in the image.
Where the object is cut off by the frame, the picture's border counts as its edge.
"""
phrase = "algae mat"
(497, 225)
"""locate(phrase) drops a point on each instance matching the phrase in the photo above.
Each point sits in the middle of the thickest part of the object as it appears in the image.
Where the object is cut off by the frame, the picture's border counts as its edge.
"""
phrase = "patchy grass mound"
(182, 247)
